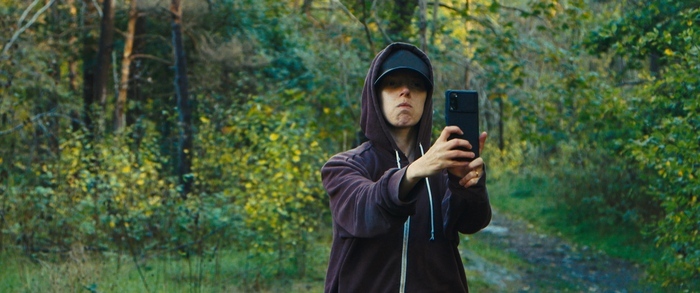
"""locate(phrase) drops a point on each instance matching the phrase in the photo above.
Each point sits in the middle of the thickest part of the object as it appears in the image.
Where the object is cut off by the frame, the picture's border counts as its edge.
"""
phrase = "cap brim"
(385, 73)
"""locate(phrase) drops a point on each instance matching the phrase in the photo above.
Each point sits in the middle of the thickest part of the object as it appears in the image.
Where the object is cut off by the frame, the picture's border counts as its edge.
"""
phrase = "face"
(403, 98)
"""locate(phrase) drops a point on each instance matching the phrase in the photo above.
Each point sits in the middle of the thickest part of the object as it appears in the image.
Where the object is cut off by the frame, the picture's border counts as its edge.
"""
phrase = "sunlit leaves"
(666, 150)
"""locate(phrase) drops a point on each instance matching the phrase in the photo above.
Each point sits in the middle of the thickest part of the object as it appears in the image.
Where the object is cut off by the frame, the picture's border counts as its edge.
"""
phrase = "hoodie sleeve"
(362, 207)
(465, 210)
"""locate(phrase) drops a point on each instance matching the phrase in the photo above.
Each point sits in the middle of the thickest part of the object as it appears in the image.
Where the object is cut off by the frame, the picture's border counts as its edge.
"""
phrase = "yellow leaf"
(126, 169)
(204, 120)
(274, 136)
(296, 159)
(139, 182)
(668, 52)
(111, 224)
(154, 200)
(326, 110)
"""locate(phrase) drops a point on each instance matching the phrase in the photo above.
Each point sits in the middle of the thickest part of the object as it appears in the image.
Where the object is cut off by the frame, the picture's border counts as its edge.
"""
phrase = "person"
(397, 203)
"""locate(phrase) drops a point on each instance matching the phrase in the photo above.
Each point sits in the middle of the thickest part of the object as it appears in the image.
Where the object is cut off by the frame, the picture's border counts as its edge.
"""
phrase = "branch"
(147, 56)
(631, 83)
(26, 26)
(346, 10)
(387, 39)
(97, 7)
(522, 11)
(26, 12)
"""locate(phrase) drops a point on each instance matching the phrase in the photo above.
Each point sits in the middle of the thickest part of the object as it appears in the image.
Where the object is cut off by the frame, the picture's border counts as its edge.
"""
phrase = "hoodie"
(381, 243)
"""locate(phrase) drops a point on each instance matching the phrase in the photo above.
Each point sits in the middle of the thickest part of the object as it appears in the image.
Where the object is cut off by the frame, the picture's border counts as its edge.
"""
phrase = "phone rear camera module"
(454, 102)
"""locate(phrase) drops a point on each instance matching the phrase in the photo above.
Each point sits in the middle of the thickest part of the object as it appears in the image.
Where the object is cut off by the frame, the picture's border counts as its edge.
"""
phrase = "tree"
(104, 55)
(184, 152)
(120, 108)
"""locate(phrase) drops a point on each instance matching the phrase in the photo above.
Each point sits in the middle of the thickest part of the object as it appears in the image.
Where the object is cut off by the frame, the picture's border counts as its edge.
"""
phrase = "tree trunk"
(467, 77)
(401, 19)
(423, 24)
(135, 72)
(184, 166)
(501, 139)
(120, 108)
(88, 55)
(655, 64)
(306, 7)
(104, 54)
(436, 5)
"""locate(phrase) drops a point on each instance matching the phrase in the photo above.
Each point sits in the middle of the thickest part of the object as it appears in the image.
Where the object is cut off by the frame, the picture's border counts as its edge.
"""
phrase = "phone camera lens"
(454, 104)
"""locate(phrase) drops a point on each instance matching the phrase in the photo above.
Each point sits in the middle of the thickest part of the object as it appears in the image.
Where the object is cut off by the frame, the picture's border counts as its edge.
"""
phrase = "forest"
(149, 146)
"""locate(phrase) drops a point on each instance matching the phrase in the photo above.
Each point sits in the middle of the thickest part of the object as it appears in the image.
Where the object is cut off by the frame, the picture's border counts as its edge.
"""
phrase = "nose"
(405, 90)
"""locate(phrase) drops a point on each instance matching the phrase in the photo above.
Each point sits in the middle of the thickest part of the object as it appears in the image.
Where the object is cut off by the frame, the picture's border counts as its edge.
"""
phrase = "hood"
(372, 121)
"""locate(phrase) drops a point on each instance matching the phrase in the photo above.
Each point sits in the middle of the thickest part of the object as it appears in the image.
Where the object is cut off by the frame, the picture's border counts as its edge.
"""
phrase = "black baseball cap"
(404, 59)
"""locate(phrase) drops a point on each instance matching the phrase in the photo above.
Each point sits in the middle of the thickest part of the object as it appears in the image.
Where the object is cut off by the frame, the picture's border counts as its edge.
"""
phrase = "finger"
(477, 163)
(457, 143)
(482, 140)
(470, 179)
(459, 155)
(469, 183)
(449, 130)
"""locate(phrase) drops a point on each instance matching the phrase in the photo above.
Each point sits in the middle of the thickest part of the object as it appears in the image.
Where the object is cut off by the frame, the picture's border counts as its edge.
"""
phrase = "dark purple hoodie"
(383, 244)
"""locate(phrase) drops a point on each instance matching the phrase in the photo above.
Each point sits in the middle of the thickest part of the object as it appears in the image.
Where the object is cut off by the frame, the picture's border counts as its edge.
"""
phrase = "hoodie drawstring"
(430, 194)
(430, 197)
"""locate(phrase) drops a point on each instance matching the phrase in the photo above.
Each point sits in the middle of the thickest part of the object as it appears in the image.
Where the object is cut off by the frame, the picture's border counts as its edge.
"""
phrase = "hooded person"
(398, 204)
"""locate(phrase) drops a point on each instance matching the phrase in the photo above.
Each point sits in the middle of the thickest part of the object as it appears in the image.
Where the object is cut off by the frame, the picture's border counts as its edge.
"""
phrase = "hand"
(475, 169)
(444, 154)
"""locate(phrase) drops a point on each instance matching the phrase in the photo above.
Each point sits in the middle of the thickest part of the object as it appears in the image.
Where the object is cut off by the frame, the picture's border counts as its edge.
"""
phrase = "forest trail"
(552, 264)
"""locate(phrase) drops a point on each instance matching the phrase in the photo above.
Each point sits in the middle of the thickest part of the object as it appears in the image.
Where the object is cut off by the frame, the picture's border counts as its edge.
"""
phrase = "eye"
(391, 83)
(417, 84)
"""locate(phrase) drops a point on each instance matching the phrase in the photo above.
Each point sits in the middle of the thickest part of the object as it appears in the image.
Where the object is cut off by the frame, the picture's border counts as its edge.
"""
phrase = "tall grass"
(227, 271)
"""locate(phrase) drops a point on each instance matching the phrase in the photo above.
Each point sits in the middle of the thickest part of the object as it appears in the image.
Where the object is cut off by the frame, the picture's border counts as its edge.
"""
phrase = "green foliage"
(277, 91)
(265, 157)
(662, 141)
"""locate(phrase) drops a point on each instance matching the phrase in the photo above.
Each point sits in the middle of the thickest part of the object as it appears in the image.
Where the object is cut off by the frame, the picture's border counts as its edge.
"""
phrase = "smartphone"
(462, 109)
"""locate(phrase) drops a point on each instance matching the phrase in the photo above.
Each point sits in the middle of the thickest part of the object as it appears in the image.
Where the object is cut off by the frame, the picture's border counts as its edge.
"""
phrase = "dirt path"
(553, 264)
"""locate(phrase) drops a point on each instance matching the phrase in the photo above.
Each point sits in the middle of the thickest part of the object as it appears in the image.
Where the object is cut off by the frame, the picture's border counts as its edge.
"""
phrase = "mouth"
(405, 105)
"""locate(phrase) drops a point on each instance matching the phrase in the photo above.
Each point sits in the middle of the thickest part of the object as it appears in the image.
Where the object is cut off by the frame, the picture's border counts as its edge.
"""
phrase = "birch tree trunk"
(184, 166)
(120, 108)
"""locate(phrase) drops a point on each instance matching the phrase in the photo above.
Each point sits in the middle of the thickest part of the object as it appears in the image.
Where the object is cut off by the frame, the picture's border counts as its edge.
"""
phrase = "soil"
(551, 264)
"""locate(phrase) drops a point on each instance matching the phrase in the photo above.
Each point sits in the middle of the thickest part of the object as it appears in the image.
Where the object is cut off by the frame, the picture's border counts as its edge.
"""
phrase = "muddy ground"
(552, 264)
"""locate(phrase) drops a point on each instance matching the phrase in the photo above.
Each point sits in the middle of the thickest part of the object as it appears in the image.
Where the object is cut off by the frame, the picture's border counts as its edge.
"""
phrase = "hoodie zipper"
(407, 226)
(404, 250)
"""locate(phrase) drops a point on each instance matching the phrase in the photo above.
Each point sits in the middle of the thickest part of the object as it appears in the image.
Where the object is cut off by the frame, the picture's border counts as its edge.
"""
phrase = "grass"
(488, 268)
(229, 271)
(537, 199)
(533, 197)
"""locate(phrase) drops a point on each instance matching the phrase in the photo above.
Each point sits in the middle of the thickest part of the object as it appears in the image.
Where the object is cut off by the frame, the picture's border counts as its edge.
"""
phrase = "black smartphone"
(462, 109)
